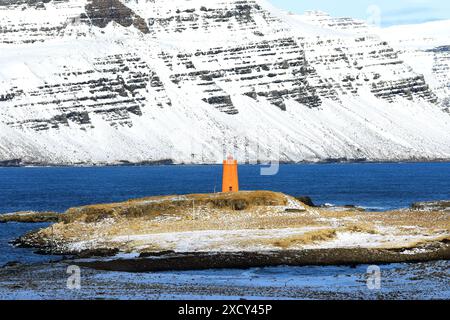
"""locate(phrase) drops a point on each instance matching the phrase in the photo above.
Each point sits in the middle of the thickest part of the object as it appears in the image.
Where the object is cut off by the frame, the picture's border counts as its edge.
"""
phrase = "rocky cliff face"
(105, 81)
(357, 60)
(102, 12)
(426, 48)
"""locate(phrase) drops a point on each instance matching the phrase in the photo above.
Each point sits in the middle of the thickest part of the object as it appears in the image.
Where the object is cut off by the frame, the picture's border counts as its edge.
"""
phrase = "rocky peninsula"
(244, 229)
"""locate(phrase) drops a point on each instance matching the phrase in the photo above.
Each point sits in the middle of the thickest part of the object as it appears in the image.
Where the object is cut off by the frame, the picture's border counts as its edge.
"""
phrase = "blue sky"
(392, 12)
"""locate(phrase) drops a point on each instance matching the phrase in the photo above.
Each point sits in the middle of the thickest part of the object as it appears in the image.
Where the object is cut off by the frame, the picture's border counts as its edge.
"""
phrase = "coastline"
(243, 229)
(17, 163)
(310, 260)
(423, 280)
(179, 261)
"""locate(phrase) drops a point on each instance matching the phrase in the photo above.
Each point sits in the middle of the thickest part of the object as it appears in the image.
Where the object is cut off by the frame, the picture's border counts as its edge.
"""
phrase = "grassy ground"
(30, 217)
(244, 221)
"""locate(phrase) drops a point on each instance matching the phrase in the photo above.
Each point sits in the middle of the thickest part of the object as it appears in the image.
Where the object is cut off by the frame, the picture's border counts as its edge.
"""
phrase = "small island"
(238, 230)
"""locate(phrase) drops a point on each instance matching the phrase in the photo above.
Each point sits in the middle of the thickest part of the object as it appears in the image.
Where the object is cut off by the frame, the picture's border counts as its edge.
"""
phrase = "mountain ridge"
(208, 78)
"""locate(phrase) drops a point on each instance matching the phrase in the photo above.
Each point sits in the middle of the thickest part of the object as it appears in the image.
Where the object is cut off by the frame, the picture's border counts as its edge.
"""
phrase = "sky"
(383, 12)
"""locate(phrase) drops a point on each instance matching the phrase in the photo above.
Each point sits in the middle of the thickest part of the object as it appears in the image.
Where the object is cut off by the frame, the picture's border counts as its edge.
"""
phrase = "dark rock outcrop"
(102, 12)
(115, 91)
(11, 163)
(306, 200)
(242, 260)
(30, 217)
(432, 206)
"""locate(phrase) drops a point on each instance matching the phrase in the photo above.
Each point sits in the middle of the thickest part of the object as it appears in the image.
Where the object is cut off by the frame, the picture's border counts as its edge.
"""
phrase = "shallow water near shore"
(9, 253)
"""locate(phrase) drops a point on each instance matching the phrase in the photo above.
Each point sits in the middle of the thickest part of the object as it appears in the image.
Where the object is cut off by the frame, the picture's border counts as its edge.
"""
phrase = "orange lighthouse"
(230, 181)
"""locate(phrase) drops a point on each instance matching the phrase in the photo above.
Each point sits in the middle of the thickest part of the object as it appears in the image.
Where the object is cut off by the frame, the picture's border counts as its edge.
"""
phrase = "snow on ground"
(398, 281)
(367, 240)
(425, 47)
(250, 240)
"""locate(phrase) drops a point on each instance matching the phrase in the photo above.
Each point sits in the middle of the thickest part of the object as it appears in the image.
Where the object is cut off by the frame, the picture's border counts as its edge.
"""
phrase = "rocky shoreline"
(178, 261)
(431, 206)
(30, 217)
(422, 280)
(19, 163)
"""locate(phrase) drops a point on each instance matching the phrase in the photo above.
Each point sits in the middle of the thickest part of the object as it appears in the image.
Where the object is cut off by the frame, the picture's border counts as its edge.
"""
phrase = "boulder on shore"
(30, 217)
(432, 205)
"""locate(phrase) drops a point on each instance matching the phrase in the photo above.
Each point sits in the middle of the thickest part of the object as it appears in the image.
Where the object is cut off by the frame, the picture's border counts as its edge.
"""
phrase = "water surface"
(381, 186)
(375, 186)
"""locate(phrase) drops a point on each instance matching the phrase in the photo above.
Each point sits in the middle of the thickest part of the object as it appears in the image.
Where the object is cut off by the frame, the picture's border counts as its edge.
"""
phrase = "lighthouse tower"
(230, 181)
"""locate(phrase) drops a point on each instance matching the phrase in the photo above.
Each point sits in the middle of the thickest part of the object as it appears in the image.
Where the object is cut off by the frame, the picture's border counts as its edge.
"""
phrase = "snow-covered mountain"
(426, 47)
(109, 81)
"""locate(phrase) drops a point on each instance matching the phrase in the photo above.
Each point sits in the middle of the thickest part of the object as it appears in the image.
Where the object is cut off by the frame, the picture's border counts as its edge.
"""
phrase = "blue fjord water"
(377, 186)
